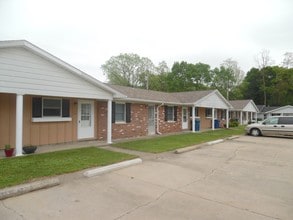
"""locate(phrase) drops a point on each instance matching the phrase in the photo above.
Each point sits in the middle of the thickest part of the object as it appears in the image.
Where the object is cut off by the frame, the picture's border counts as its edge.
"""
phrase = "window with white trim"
(120, 112)
(50, 109)
(170, 113)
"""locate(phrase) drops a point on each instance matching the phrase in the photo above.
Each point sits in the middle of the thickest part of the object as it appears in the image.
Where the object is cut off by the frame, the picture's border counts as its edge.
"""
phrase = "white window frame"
(51, 118)
(173, 118)
(124, 113)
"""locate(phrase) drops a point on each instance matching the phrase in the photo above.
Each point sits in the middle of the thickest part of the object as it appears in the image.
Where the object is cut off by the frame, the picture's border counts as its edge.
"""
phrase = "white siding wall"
(249, 108)
(23, 72)
(285, 110)
(212, 101)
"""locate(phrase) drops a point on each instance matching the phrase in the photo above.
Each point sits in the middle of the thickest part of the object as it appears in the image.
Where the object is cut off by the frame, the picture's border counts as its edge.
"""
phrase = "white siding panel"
(212, 101)
(21, 71)
(249, 108)
(288, 109)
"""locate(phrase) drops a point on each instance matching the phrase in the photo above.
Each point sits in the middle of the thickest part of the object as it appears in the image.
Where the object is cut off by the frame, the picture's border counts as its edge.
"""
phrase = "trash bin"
(196, 124)
(217, 123)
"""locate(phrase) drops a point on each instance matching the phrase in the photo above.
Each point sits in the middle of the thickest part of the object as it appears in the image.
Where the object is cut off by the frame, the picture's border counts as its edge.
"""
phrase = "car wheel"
(255, 132)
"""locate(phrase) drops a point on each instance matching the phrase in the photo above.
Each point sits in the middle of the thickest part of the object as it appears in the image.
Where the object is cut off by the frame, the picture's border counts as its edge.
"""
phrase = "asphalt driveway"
(244, 178)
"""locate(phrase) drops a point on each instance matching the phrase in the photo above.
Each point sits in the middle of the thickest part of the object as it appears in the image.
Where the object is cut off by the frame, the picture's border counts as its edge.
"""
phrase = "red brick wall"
(102, 120)
(138, 125)
(204, 121)
(170, 127)
(139, 122)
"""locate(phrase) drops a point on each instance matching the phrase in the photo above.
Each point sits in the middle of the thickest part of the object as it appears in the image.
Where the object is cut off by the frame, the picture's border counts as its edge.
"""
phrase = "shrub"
(233, 123)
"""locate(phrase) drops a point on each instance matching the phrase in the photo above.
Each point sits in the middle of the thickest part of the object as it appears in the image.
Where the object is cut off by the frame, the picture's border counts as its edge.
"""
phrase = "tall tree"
(179, 78)
(283, 86)
(288, 60)
(235, 76)
(201, 76)
(279, 85)
(188, 77)
(222, 80)
(128, 70)
(228, 78)
(263, 59)
(251, 86)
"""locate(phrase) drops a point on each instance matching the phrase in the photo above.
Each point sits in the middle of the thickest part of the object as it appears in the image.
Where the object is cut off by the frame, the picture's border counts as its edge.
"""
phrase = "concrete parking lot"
(244, 178)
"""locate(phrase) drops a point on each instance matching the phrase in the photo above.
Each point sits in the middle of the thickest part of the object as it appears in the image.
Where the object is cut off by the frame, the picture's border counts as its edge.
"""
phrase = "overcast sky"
(86, 33)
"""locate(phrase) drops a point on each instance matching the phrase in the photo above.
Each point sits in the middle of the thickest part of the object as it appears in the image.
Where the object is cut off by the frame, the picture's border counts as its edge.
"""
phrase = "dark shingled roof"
(192, 96)
(156, 96)
(270, 108)
(260, 107)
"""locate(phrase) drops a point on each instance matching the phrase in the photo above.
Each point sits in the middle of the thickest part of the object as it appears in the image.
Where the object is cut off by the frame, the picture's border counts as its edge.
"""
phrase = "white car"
(274, 126)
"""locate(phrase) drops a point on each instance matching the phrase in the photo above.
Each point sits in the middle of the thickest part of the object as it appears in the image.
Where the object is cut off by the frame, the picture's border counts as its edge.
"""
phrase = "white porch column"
(109, 122)
(213, 118)
(227, 118)
(19, 125)
(246, 122)
(251, 116)
(193, 118)
(241, 120)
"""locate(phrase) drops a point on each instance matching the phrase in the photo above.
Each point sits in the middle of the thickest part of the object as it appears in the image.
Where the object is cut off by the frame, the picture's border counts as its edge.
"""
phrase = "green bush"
(233, 123)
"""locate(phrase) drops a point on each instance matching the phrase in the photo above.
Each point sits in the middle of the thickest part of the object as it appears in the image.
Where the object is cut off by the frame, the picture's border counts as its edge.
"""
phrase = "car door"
(286, 126)
(270, 127)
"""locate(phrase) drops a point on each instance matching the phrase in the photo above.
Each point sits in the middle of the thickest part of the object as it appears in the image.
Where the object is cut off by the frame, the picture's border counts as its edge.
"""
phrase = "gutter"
(158, 122)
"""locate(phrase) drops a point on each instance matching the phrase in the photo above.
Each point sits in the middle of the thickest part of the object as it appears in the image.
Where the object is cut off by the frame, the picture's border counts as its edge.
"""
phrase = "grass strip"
(172, 142)
(18, 170)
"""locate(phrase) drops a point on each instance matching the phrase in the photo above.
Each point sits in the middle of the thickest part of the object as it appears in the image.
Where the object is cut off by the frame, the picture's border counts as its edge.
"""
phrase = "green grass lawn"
(19, 170)
(172, 142)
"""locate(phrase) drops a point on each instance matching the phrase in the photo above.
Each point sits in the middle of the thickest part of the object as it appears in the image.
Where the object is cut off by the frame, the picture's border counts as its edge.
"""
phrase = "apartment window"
(195, 112)
(121, 112)
(54, 108)
(170, 113)
(223, 114)
(209, 112)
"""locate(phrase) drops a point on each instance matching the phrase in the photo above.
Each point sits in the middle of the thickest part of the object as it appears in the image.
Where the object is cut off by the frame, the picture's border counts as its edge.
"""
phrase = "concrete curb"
(186, 149)
(215, 142)
(112, 167)
(191, 148)
(232, 137)
(28, 187)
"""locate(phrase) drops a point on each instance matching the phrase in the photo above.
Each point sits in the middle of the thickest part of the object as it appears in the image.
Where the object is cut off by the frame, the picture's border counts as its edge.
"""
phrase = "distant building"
(268, 111)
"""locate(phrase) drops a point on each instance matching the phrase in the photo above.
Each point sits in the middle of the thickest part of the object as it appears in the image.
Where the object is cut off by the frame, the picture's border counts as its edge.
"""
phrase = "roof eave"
(147, 101)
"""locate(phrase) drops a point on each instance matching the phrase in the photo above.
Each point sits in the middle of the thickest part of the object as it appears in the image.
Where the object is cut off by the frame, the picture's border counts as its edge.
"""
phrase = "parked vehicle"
(274, 126)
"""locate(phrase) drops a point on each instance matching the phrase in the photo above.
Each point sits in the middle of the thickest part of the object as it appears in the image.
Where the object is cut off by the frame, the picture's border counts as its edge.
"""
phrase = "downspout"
(158, 119)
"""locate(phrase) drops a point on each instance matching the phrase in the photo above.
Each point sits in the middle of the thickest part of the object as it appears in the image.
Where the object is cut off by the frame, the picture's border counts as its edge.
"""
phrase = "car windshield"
(271, 121)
